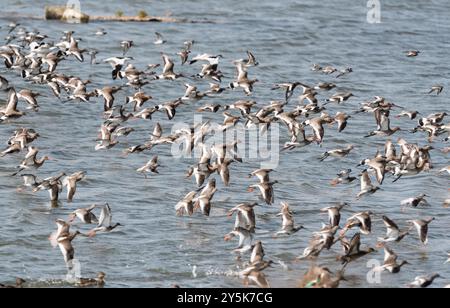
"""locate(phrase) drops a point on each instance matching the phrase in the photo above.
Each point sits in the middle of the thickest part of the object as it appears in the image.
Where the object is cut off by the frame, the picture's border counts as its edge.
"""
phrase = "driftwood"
(64, 14)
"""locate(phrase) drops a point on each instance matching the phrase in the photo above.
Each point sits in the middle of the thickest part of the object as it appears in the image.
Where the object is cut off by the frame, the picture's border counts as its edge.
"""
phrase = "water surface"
(157, 249)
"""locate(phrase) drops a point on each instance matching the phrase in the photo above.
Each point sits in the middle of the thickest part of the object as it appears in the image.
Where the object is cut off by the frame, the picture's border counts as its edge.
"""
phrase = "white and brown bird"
(412, 53)
(362, 220)
(117, 64)
(108, 95)
(168, 70)
(150, 167)
(377, 164)
(367, 188)
(436, 88)
(266, 189)
(138, 99)
(445, 170)
(99, 281)
(410, 114)
(209, 108)
(203, 201)
(393, 232)
(245, 216)
(63, 239)
(107, 139)
(10, 111)
(317, 124)
(19, 284)
(415, 201)
(31, 161)
(340, 153)
(53, 185)
(71, 182)
(104, 222)
(289, 88)
(334, 213)
(186, 206)
(288, 226)
(391, 261)
(85, 215)
(245, 239)
(343, 177)
(29, 97)
(421, 226)
(257, 278)
(342, 119)
(159, 39)
(126, 46)
(424, 281)
(242, 80)
(352, 249)
(4, 83)
(340, 97)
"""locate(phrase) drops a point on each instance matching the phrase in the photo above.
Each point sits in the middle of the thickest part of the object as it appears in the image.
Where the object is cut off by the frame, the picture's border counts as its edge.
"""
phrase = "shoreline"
(14, 16)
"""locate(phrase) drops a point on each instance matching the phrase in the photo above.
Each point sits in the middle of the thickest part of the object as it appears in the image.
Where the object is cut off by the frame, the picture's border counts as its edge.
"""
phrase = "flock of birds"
(33, 57)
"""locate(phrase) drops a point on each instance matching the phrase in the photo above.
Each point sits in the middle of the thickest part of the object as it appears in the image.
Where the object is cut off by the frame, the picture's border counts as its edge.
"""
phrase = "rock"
(72, 15)
(65, 14)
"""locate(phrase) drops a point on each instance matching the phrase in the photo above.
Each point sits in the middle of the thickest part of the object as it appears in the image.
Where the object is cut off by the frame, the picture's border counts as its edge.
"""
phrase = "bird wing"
(365, 181)
(105, 217)
(389, 256)
(168, 65)
(12, 101)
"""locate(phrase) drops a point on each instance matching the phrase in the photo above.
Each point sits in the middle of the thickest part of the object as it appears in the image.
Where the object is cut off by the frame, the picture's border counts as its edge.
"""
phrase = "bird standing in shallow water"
(19, 284)
(92, 282)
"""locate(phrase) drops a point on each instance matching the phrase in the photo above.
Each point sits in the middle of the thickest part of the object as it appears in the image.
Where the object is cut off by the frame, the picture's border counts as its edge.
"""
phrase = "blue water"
(157, 249)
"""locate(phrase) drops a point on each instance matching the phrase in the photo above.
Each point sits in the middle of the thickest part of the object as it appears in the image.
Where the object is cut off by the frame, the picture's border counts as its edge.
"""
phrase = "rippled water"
(157, 249)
